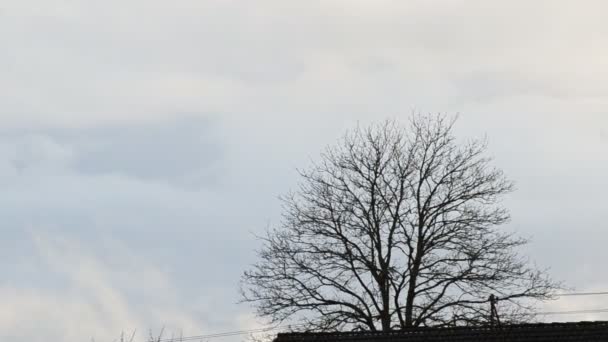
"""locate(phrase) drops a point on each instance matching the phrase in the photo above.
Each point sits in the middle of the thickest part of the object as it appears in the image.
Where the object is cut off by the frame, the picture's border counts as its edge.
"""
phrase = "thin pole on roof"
(494, 319)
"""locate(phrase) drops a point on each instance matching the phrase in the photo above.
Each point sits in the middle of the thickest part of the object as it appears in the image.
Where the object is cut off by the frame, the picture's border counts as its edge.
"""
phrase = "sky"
(144, 144)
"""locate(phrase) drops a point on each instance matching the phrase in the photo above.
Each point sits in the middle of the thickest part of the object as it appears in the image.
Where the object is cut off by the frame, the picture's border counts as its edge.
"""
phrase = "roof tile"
(539, 332)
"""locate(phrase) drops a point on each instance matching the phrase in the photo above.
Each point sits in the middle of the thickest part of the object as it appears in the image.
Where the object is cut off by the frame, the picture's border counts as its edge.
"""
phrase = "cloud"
(93, 302)
(172, 127)
(178, 151)
(105, 228)
(182, 151)
(236, 60)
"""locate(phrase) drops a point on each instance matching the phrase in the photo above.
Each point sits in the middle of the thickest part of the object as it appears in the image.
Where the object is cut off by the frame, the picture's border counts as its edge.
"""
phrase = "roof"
(538, 332)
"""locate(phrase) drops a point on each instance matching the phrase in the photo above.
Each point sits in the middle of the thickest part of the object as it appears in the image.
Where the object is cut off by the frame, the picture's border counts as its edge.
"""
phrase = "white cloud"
(152, 59)
(91, 93)
(94, 301)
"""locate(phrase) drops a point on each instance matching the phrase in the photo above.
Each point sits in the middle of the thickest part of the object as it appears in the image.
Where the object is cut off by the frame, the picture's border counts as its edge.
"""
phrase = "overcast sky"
(144, 143)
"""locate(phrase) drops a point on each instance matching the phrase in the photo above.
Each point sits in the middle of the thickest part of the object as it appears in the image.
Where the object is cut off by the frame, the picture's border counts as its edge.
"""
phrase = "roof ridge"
(476, 327)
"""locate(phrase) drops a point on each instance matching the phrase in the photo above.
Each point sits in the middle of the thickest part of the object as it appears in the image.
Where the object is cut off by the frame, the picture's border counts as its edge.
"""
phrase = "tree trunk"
(409, 303)
(385, 314)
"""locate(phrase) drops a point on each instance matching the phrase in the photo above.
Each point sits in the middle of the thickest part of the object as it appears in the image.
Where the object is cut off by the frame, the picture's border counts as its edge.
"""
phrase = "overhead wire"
(572, 294)
(261, 330)
(273, 328)
(229, 333)
(573, 312)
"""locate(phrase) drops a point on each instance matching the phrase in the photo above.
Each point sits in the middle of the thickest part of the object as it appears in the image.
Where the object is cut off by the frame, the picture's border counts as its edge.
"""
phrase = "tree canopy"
(395, 226)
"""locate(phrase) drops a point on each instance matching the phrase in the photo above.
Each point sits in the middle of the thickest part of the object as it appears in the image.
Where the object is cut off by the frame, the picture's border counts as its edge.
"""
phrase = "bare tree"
(396, 226)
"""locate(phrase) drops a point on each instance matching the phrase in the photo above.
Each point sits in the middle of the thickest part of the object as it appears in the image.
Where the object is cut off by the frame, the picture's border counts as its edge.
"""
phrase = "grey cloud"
(253, 59)
(102, 151)
(223, 56)
(182, 151)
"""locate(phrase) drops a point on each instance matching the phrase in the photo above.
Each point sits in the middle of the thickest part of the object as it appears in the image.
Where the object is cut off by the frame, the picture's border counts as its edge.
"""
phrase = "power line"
(573, 312)
(261, 330)
(267, 329)
(229, 333)
(571, 294)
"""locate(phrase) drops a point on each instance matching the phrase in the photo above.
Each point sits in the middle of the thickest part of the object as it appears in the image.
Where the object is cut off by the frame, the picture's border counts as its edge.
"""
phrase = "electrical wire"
(261, 330)
(573, 312)
(273, 328)
(569, 294)
(229, 333)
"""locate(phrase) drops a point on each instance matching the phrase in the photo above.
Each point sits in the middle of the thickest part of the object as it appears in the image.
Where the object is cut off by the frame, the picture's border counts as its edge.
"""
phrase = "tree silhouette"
(396, 226)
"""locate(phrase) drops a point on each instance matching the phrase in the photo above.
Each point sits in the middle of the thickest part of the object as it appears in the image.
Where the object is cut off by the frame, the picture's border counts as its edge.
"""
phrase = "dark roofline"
(420, 331)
